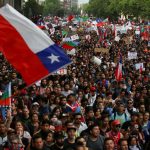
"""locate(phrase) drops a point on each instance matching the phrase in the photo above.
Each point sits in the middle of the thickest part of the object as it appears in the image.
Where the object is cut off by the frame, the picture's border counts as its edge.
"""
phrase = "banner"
(132, 55)
(102, 50)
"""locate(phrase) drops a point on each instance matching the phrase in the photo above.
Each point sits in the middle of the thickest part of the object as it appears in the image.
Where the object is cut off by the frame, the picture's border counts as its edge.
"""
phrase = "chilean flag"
(27, 47)
(118, 72)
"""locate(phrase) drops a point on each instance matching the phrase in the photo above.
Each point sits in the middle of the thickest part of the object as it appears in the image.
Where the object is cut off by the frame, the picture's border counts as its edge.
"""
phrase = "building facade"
(74, 3)
(17, 4)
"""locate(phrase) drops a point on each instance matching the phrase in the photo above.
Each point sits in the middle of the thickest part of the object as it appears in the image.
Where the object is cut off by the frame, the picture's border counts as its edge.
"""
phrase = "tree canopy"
(114, 8)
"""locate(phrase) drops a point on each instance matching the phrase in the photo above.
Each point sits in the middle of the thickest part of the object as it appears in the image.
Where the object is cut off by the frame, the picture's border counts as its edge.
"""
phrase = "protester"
(84, 106)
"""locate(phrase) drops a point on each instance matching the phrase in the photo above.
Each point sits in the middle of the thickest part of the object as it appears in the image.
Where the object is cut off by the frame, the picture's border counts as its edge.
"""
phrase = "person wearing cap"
(93, 95)
(71, 136)
(59, 141)
(35, 107)
(95, 141)
(115, 133)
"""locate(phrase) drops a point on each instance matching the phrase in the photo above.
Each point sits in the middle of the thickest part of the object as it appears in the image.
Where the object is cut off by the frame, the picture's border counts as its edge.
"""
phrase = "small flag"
(27, 47)
(67, 46)
(118, 72)
(70, 18)
(141, 69)
(5, 101)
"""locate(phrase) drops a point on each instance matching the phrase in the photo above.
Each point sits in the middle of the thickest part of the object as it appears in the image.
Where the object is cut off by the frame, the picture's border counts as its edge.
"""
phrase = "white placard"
(139, 65)
(96, 60)
(132, 55)
(74, 37)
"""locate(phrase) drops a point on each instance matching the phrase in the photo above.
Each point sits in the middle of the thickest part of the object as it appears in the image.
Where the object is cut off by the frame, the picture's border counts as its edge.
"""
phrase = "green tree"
(52, 7)
(114, 8)
(32, 8)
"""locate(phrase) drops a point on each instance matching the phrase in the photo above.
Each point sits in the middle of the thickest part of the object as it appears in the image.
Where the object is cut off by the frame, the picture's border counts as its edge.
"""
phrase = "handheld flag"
(118, 72)
(27, 47)
(5, 100)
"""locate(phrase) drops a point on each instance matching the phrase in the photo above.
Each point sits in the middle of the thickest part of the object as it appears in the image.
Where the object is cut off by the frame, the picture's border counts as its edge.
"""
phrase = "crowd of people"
(87, 108)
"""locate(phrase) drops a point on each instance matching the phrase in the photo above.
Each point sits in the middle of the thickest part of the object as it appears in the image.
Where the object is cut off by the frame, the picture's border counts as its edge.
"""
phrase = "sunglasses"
(118, 126)
(78, 118)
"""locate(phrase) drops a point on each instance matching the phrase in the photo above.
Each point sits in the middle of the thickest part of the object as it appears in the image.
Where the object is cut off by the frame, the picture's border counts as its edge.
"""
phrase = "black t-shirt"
(131, 125)
(68, 146)
(55, 147)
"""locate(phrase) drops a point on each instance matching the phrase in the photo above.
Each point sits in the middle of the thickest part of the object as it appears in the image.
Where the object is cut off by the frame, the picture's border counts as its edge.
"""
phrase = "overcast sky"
(83, 1)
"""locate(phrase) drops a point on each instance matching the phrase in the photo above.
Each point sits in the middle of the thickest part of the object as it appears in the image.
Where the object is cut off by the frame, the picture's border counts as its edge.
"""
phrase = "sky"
(83, 1)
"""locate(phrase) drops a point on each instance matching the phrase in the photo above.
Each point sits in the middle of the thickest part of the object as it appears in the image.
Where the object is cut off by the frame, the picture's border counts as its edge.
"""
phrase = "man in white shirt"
(80, 125)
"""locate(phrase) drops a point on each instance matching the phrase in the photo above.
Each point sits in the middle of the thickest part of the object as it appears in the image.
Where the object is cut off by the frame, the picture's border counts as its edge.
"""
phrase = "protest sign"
(103, 50)
(74, 37)
(96, 60)
(61, 71)
(139, 65)
(132, 55)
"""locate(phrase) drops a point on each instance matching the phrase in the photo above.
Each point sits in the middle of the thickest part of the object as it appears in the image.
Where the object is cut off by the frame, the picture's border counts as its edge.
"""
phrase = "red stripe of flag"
(20, 55)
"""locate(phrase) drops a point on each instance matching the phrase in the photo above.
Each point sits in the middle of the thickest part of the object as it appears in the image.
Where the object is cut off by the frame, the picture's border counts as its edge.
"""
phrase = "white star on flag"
(53, 58)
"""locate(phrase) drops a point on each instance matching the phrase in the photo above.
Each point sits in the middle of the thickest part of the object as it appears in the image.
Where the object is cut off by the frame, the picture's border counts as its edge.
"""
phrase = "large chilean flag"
(27, 47)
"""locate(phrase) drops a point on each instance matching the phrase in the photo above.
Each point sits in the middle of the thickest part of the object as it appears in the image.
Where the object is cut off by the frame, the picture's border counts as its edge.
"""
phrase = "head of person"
(71, 98)
(66, 86)
(71, 132)
(132, 140)
(35, 107)
(120, 108)
(38, 142)
(105, 121)
(63, 101)
(130, 104)
(15, 143)
(134, 116)
(142, 108)
(35, 117)
(59, 138)
(3, 128)
(80, 141)
(19, 124)
(77, 118)
(146, 116)
(116, 125)
(25, 112)
(89, 112)
(123, 144)
(49, 137)
(94, 130)
(109, 144)
(45, 126)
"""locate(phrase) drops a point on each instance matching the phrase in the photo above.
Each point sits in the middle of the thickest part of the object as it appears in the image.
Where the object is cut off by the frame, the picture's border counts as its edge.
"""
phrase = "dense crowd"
(87, 108)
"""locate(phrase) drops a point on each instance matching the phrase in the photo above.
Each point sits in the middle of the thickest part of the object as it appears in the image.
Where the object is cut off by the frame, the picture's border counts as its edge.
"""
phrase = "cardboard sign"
(132, 55)
(102, 50)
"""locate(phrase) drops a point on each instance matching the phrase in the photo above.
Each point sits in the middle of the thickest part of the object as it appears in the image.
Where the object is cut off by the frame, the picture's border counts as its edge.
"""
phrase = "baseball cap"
(35, 103)
(116, 122)
(58, 135)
